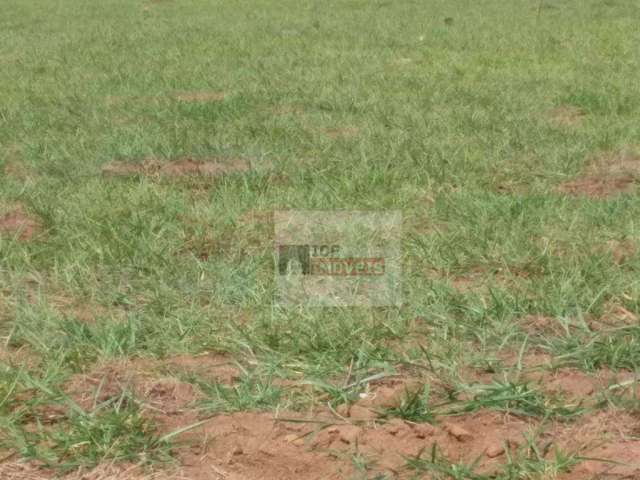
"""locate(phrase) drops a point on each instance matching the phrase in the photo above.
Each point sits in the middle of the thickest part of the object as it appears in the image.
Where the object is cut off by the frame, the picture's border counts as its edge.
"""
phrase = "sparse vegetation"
(144, 147)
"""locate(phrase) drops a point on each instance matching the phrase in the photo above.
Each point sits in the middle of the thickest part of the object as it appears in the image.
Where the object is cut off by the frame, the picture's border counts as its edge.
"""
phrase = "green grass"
(451, 127)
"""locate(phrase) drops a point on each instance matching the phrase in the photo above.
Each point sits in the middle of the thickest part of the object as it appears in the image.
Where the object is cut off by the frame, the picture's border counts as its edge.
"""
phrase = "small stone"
(237, 450)
(395, 427)
(494, 450)
(357, 412)
(388, 397)
(461, 434)
(323, 439)
(423, 430)
(234, 452)
(350, 433)
(343, 410)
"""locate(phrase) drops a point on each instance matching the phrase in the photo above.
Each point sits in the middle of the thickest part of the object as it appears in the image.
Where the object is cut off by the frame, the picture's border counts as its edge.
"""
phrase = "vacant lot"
(144, 146)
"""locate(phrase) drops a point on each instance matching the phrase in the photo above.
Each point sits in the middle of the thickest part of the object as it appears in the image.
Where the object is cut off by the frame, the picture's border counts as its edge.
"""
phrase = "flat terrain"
(144, 146)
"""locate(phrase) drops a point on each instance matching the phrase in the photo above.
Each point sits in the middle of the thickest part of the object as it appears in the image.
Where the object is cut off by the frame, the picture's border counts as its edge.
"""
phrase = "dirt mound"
(595, 187)
(257, 445)
(609, 440)
(17, 223)
(606, 176)
(212, 367)
(323, 443)
(154, 382)
(18, 171)
(566, 115)
(177, 168)
(621, 250)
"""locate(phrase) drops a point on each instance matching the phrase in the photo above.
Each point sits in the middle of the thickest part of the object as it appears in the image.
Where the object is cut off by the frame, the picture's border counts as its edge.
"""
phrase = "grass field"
(144, 146)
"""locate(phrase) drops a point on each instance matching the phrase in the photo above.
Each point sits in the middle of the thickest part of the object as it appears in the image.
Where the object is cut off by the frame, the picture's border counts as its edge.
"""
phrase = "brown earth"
(480, 278)
(621, 250)
(176, 168)
(252, 446)
(540, 325)
(321, 443)
(614, 315)
(566, 115)
(606, 175)
(609, 439)
(19, 171)
(598, 187)
(83, 310)
(17, 223)
(153, 381)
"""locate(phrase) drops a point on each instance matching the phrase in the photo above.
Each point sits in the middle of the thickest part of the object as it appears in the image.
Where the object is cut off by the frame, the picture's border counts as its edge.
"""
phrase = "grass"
(351, 104)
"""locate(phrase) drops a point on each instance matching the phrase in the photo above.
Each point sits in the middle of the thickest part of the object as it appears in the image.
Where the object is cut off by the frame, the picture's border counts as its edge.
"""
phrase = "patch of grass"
(439, 467)
(530, 461)
(615, 349)
(414, 407)
(114, 432)
(250, 393)
(516, 398)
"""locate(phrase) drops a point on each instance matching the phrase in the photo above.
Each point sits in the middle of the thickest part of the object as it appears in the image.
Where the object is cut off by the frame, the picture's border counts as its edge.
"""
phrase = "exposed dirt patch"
(15, 165)
(621, 250)
(572, 384)
(479, 279)
(14, 470)
(529, 361)
(607, 175)
(469, 282)
(609, 438)
(255, 445)
(567, 115)
(19, 357)
(83, 310)
(540, 325)
(200, 97)
(107, 382)
(592, 186)
(212, 367)
(17, 223)
(177, 168)
(578, 388)
(19, 171)
(614, 315)
(252, 446)
(155, 382)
